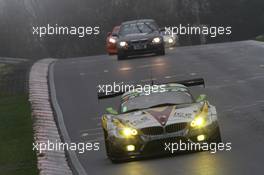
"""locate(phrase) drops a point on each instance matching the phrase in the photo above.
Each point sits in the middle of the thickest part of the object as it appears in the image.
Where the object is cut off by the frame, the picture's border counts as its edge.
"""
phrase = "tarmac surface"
(234, 76)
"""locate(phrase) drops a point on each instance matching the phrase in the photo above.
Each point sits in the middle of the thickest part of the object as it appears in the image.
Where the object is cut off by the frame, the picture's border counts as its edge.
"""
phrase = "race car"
(139, 37)
(111, 41)
(147, 121)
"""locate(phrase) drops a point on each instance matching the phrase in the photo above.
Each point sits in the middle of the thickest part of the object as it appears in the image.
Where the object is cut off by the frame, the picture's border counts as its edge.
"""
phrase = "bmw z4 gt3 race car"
(147, 121)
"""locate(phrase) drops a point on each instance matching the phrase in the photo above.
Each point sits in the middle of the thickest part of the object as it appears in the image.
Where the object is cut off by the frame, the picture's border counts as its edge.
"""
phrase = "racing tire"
(116, 160)
(121, 56)
(110, 153)
(216, 138)
(106, 143)
(108, 149)
(161, 52)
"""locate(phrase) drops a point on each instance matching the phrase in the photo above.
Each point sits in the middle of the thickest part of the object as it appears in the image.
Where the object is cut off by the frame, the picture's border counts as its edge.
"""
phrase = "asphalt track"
(234, 75)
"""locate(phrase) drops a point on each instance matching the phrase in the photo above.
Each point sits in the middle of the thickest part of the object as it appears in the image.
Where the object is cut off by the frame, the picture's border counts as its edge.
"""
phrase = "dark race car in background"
(139, 37)
(146, 122)
(111, 41)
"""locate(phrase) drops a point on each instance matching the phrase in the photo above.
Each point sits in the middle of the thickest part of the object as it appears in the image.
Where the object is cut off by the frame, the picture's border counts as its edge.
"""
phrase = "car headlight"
(128, 132)
(156, 40)
(201, 118)
(170, 40)
(112, 40)
(123, 44)
(198, 122)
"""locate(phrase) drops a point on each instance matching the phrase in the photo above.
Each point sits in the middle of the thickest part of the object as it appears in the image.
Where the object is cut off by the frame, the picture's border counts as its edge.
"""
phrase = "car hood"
(141, 36)
(160, 116)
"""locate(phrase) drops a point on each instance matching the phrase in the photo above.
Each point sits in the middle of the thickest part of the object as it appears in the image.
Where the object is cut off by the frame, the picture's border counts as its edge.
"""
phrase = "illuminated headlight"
(123, 44)
(156, 40)
(201, 138)
(170, 40)
(198, 122)
(112, 40)
(130, 148)
(128, 132)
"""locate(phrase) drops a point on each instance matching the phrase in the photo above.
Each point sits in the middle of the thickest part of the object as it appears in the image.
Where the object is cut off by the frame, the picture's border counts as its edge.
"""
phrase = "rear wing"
(192, 82)
(188, 83)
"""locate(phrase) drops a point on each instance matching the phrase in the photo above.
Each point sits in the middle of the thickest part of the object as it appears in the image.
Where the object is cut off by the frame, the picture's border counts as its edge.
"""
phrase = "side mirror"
(115, 35)
(201, 98)
(162, 29)
(112, 111)
(109, 34)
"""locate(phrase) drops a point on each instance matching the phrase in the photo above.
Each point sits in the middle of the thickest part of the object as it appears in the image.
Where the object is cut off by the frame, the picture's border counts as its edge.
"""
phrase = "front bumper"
(146, 145)
(145, 49)
(170, 44)
(111, 48)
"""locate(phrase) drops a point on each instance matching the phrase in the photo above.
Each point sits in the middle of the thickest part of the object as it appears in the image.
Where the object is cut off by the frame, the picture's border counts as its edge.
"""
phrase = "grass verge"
(260, 38)
(16, 136)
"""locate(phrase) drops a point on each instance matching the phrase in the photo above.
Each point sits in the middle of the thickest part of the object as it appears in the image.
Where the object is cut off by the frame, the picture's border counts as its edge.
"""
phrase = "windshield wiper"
(152, 30)
(165, 104)
(139, 28)
(159, 105)
(156, 106)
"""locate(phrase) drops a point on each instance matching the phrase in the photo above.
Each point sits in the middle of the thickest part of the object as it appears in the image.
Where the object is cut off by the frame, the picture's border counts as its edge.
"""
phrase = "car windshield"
(115, 30)
(156, 99)
(138, 28)
(163, 33)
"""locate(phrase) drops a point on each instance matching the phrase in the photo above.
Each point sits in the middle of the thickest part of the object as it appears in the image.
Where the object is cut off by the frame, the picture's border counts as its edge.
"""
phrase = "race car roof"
(138, 21)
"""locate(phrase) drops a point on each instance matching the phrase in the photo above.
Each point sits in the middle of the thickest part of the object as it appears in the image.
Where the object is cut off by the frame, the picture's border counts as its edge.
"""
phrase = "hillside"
(18, 17)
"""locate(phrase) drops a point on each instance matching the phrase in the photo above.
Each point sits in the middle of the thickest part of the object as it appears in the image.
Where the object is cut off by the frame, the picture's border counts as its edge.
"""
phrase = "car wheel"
(161, 52)
(106, 143)
(116, 160)
(216, 138)
(121, 56)
(109, 149)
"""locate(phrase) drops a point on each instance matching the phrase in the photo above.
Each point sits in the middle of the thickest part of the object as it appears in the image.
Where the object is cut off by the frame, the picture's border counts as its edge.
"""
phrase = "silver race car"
(147, 121)
(169, 39)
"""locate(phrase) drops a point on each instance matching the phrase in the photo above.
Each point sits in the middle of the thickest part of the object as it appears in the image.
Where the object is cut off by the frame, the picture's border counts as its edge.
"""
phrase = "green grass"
(260, 38)
(16, 137)
(5, 69)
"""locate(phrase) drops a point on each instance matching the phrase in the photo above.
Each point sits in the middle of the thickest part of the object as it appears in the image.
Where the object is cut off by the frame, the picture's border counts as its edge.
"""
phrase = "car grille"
(153, 130)
(157, 145)
(175, 127)
(158, 130)
(143, 41)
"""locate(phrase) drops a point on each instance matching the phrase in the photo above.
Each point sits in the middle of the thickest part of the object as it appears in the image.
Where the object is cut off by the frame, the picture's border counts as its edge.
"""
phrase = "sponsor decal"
(162, 114)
